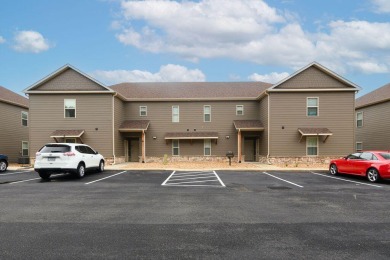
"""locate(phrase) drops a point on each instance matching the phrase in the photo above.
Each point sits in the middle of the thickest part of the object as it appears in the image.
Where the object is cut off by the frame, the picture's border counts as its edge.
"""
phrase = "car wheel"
(333, 169)
(373, 175)
(44, 175)
(80, 172)
(3, 166)
(101, 166)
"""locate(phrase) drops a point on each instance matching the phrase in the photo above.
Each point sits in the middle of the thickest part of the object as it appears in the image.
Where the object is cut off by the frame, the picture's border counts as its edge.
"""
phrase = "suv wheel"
(80, 172)
(3, 166)
(101, 166)
(44, 175)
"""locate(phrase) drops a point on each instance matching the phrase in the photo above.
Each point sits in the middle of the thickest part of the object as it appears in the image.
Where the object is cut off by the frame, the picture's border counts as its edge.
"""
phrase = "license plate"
(51, 159)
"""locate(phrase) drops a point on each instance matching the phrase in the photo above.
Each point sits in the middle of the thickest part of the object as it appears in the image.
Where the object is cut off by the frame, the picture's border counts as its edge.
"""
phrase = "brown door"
(133, 150)
(250, 149)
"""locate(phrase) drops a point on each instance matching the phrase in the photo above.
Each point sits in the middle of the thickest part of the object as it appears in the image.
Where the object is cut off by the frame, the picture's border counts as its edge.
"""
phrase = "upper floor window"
(143, 111)
(175, 114)
(359, 119)
(312, 106)
(240, 110)
(207, 113)
(24, 118)
(70, 108)
(311, 146)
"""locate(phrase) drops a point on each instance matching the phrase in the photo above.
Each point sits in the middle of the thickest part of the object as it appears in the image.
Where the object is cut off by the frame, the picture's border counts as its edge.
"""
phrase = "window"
(175, 114)
(359, 146)
(24, 118)
(70, 140)
(312, 146)
(207, 113)
(24, 148)
(143, 111)
(312, 106)
(359, 119)
(70, 108)
(354, 156)
(175, 147)
(368, 156)
(207, 147)
(239, 110)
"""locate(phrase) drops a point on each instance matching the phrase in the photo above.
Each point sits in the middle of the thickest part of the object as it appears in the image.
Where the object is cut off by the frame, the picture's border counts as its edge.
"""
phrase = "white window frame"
(24, 113)
(356, 147)
(238, 109)
(204, 113)
(28, 149)
(357, 113)
(143, 109)
(175, 147)
(307, 145)
(174, 120)
(206, 144)
(307, 106)
(75, 108)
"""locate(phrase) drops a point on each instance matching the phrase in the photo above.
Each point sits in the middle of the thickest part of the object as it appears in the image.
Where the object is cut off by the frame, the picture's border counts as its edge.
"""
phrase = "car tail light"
(69, 154)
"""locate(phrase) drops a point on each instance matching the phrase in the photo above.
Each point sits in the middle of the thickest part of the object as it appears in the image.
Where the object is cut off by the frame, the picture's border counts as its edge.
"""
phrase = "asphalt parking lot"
(205, 214)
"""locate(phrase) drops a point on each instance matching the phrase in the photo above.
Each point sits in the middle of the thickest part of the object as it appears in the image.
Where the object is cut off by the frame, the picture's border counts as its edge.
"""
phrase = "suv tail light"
(69, 154)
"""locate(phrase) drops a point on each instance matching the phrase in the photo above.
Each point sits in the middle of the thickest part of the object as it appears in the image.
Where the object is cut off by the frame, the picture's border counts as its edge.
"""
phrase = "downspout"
(113, 127)
(269, 126)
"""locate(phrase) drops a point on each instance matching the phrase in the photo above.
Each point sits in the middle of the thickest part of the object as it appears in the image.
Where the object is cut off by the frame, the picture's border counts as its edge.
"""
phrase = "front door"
(133, 150)
(250, 149)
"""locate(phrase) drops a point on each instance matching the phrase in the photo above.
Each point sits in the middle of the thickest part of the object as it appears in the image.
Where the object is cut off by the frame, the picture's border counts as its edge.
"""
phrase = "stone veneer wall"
(309, 160)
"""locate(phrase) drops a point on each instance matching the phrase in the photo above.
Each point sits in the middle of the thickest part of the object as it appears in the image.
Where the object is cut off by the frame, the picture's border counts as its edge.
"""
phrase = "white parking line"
(11, 173)
(24, 180)
(193, 175)
(223, 185)
(192, 179)
(168, 178)
(332, 177)
(283, 180)
(176, 183)
(105, 178)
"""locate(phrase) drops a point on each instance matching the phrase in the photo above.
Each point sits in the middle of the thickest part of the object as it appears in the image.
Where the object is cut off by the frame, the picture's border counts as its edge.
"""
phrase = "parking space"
(194, 179)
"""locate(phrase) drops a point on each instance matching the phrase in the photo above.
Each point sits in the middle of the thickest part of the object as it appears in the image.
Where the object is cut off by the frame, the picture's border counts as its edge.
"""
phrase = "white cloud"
(167, 73)
(272, 77)
(30, 41)
(252, 31)
(381, 6)
(2, 40)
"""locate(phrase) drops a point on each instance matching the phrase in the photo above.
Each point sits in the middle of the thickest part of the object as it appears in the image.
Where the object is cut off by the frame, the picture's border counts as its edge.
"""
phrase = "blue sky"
(203, 40)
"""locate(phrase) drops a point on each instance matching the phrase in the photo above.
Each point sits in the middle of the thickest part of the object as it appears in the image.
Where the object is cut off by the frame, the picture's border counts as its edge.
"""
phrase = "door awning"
(67, 133)
(248, 125)
(315, 132)
(134, 126)
(191, 135)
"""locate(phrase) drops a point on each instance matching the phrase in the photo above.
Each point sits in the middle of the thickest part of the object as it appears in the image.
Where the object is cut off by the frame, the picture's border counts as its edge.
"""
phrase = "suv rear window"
(55, 149)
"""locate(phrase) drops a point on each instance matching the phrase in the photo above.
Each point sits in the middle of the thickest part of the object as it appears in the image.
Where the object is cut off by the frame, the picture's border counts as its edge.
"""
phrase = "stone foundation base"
(295, 161)
(168, 159)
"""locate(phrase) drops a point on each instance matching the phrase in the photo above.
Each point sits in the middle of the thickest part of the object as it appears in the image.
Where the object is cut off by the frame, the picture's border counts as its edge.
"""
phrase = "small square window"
(70, 108)
(312, 106)
(239, 110)
(359, 146)
(24, 118)
(143, 110)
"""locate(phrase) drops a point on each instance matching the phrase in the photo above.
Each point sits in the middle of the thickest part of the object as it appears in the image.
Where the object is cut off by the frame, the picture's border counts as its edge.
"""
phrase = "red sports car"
(372, 164)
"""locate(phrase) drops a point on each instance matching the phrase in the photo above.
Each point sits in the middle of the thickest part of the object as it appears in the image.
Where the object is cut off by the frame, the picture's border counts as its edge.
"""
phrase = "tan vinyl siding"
(93, 111)
(12, 131)
(70, 80)
(191, 117)
(263, 116)
(312, 78)
(119, 117)
(375, 131)
(336, 113)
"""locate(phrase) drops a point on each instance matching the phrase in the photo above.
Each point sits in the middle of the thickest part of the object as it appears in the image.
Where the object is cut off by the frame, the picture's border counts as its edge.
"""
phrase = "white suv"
(67, 157)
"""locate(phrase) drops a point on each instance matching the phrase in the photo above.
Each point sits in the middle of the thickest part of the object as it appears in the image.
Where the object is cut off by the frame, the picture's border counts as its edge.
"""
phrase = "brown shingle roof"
(134, 125)
(8, 96)
(67, 133)
(379, 95)
(315, 131)
(192, 135)
(191, 90)
(248, 124)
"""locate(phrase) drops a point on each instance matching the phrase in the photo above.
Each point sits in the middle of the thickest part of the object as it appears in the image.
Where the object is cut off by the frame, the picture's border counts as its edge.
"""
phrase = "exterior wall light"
(227, 137)
(154, 137)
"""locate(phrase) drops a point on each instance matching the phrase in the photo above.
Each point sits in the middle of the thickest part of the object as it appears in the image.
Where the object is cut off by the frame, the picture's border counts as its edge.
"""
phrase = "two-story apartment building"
(14, 123)
(309, 114)
(372, 124)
